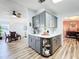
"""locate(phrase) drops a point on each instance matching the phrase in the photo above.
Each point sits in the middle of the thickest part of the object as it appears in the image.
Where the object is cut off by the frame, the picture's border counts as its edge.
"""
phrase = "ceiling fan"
(41, 1)
(17, 14)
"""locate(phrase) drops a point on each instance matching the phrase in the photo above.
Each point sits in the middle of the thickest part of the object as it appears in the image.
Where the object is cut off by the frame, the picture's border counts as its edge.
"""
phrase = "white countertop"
(45, 36)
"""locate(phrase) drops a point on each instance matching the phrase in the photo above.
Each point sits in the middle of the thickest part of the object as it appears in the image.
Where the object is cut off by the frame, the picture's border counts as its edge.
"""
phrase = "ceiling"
(65, 7)
(7, 6)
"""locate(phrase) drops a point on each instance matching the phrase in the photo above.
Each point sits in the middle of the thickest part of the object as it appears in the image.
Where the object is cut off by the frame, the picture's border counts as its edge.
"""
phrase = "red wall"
(68, 27)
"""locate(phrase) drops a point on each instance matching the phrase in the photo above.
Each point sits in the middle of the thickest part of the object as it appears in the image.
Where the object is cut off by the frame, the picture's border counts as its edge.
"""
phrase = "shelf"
(47, 45)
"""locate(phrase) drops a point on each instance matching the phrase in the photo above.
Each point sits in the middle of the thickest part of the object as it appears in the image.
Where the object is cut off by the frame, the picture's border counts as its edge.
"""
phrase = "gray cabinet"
(36, 24)
(35, 21)
(31, 42)
(37, 45)
(54, 46)
(51, 21)
(56, 43)
(41, 45)
(44, 20)
(34, 43)
(59, 40)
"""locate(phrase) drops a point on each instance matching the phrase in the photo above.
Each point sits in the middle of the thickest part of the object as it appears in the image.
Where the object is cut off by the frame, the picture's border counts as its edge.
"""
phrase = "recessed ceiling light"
(56, 1)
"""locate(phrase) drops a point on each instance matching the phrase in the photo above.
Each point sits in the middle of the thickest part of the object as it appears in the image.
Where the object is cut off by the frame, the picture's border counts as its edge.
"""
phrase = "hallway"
(19, 50)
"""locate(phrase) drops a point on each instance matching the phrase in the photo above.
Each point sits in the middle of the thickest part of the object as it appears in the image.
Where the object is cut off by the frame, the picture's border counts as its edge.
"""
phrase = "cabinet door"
(37, 45)
(59, 41)
(33, 42)
(42, 19)
(54, 44)
(30, 41)
(35, 21)
(55, 21)
(48, 20)
(51, 20)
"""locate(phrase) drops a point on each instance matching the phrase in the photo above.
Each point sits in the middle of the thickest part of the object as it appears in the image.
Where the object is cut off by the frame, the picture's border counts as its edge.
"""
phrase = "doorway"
(71, 28)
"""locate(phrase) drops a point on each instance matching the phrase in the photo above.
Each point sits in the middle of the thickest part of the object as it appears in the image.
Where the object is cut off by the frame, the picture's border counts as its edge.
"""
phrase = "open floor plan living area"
(39, 29)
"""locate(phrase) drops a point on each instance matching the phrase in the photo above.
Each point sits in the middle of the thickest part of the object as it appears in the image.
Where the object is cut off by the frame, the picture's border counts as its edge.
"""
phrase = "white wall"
(31, 13)
(17, 24)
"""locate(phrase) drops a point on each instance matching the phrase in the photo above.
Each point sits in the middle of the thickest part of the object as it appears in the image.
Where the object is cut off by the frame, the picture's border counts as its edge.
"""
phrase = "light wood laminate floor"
(19, 50)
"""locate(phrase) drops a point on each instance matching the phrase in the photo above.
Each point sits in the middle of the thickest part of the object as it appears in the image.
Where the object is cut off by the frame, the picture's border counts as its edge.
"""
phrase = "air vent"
(41, 1)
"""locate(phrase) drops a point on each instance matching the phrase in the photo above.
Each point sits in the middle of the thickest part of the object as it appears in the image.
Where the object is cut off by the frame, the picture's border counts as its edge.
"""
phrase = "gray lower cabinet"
(30, 41)
(37, 45)
(56, 43)
(34, 43)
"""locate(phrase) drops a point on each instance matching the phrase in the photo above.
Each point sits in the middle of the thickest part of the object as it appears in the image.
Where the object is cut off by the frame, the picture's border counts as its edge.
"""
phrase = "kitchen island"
(45, 45)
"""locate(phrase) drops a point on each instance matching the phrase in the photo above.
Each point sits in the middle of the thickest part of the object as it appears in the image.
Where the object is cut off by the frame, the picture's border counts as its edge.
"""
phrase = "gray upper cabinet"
(51, 20)
(42, 19)
(36, 21)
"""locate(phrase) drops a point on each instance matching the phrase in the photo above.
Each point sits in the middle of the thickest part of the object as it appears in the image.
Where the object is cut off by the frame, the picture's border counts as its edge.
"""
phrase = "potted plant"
(0, 32)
